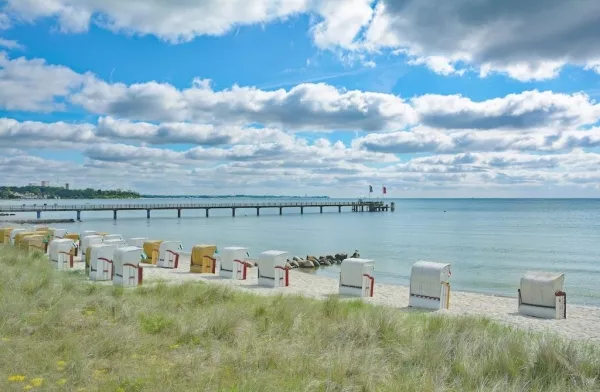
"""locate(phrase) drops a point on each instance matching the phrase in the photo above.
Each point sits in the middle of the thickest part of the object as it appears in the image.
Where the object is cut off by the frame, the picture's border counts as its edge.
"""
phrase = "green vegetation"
(59, 332)
(48, 192)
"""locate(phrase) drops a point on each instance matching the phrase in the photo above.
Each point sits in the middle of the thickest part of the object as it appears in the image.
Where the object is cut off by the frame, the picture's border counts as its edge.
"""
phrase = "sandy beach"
(582, 323)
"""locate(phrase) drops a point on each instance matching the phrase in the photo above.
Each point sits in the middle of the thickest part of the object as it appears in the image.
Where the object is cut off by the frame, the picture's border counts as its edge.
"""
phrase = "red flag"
(384, 190)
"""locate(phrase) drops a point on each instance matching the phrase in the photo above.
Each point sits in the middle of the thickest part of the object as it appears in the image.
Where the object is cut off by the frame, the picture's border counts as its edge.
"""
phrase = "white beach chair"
(232, 263)
(126, 262)
(356, 277)
(114, 237)
(271, 269)
(101, 262)
(59, 233)
(85, 233)
(88, 240)
(138, 241)
(60, 253)
(541, 294)
(430, 285)
(14, 233)
(168, 254)
(119, 243)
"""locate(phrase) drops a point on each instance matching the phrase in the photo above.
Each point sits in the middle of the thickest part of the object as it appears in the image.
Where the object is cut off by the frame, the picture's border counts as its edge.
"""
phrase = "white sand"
(582, 323)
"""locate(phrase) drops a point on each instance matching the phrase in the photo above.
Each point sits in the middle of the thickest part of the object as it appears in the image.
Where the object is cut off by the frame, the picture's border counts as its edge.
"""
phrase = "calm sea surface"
(489, 242)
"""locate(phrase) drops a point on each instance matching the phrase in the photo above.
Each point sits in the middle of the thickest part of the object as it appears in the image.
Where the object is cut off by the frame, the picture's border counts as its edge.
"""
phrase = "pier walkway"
(354, 206)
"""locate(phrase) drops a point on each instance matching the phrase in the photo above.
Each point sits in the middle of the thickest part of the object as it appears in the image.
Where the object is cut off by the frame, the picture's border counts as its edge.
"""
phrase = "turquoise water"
(490, 242)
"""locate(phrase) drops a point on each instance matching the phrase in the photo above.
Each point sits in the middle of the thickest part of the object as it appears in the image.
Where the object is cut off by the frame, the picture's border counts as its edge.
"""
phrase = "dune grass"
(58, 332)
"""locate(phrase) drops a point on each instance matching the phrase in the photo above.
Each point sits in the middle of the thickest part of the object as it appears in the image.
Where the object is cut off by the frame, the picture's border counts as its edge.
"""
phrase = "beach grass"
(58, 332)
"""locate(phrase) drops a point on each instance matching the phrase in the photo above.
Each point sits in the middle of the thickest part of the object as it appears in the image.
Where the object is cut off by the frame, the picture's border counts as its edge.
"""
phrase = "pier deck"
(354, 206)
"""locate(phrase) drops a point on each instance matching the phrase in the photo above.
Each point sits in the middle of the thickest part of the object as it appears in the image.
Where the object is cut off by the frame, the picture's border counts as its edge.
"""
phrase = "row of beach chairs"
(108, 257)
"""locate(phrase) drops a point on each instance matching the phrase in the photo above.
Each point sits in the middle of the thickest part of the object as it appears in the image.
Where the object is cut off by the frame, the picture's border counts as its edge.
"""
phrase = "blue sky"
(460, 99)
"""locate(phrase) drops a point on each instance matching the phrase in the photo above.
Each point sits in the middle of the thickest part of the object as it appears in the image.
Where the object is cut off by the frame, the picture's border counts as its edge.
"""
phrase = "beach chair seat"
(168, 254)
(151, 250)
(5, 235)
(272, 271)
(101, 261)
(86, 243)
(232, 263)
(542, 295)
(356, 277)
(429, 285)
(13, 234)
(35, 242)
(60, 253)
(126, 263)
(202, 260)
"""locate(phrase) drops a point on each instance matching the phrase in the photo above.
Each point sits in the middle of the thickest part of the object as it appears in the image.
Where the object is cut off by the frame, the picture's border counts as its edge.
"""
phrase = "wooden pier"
(355, 206)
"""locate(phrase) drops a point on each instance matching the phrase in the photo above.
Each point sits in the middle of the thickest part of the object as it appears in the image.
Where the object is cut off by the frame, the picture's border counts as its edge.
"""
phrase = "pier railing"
(141, 206)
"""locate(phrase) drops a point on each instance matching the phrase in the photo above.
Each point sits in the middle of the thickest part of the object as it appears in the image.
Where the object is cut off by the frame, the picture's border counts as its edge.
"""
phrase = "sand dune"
(582, 323)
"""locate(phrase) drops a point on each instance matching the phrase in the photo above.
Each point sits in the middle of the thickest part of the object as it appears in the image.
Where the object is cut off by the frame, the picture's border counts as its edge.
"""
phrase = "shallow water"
(489, 242)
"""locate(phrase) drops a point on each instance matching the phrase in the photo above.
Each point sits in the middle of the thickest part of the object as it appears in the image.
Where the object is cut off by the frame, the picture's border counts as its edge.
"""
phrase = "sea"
(490, 243)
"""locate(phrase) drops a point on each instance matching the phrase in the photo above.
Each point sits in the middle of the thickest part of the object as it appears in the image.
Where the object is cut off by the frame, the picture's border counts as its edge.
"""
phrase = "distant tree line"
(48, 192)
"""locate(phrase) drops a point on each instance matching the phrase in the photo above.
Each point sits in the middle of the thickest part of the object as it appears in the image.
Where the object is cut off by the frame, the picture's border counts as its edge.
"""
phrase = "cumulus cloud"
(10, 44)
(33, 85)
(185, 133)
(529, 109)
(65, 135)
(529, 40)
(122, 166)
(305, 106)
(297, 152)
(427, 140)
(172, 20)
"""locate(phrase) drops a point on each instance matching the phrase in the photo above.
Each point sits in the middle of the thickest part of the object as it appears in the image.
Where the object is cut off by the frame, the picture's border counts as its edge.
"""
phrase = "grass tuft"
(59, 332)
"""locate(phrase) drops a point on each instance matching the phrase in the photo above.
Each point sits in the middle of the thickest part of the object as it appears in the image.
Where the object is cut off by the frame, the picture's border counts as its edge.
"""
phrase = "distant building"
(45, 183)
(67, 186)
(32, 184)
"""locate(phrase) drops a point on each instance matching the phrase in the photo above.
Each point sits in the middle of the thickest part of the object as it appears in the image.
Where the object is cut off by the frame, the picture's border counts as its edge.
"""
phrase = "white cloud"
(294, 152)
(33, 85)
(527, 41)
(529, 109)
(304, 107)
(4, 21)
(10, 44)
(438, 64)
(427, 140)
(185, 133)
(128, 167)
(172, 20)
(45, 135)
(339, 25)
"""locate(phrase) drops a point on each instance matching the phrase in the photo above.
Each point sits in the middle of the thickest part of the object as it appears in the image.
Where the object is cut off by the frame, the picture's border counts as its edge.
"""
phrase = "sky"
(460, 98)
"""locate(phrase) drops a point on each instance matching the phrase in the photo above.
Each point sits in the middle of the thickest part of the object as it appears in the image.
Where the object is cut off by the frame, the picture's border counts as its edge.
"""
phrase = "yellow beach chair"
(35, 242)
(5, 235)
(202, 260)
(151, 250)
(20, 236)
